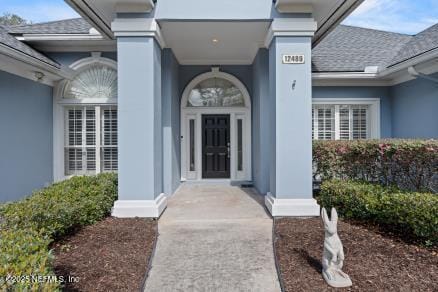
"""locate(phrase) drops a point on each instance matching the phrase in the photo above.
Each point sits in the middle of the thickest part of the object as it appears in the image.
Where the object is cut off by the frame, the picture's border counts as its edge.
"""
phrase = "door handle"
(228, 148)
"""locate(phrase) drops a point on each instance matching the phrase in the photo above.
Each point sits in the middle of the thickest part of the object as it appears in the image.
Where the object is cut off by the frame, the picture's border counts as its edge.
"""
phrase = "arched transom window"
(216, 92)
(89, 102)
(97, 81)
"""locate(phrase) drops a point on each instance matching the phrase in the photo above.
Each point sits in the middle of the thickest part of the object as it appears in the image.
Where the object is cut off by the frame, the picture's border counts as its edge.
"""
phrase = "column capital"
(138, 27)
(290, 27)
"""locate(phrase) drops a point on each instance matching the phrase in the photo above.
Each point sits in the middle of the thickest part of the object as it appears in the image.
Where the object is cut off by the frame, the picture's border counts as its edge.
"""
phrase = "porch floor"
(214, 238)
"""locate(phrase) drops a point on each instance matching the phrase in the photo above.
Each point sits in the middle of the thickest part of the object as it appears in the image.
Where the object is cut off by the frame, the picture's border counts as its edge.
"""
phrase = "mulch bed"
(112, 255)
(373, 260)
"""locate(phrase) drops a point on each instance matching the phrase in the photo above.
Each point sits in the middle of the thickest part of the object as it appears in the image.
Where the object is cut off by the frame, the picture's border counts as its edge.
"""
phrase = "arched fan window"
(98, 81)
(216, 92)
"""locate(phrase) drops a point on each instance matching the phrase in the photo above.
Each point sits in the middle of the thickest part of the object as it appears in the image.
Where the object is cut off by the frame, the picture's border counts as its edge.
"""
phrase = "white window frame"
(195, 113)
(373, 112)
(98, 132)
(60, 104)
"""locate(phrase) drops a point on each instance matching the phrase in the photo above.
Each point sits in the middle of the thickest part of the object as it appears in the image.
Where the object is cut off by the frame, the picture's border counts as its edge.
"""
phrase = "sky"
(403, 16)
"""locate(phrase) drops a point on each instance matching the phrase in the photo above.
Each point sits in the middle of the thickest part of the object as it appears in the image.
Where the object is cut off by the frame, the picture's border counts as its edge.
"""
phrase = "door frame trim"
(195, 113)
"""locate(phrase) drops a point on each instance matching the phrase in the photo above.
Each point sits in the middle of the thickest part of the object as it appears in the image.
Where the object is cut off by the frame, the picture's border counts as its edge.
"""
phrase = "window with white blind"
(348, 121)
(90, 139)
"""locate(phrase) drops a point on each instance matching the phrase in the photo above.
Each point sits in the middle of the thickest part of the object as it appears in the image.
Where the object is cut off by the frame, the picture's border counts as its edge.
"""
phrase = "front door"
(215, 146)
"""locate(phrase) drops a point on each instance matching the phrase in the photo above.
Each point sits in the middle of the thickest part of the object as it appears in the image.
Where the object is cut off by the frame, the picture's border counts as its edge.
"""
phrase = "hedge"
(29, 226)
(410, 214)
(408, 164)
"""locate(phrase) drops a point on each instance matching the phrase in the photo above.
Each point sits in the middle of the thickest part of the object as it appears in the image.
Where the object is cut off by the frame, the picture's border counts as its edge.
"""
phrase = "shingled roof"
(13, 43)
(68, 26)
(352, 49)
(421, 43)
(345, 49)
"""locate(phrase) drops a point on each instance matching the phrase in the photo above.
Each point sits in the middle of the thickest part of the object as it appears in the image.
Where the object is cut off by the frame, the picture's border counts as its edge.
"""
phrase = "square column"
(140, 128)
(291, 192)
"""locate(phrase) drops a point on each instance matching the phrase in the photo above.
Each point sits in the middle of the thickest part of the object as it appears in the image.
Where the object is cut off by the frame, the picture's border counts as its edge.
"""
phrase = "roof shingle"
(21, 47)
(352, 49)
(346, 49)
(421, 43)
(68, 26)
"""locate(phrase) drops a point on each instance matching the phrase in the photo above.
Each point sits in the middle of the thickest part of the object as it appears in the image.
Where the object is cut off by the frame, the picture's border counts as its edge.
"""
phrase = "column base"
(140, 208)
(291, 207)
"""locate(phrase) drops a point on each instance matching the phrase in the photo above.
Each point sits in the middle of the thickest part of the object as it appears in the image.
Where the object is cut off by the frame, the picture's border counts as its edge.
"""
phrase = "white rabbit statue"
(333, 256)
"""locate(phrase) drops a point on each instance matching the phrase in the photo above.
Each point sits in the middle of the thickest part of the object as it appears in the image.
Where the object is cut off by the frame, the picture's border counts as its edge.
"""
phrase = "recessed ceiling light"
(215, 41)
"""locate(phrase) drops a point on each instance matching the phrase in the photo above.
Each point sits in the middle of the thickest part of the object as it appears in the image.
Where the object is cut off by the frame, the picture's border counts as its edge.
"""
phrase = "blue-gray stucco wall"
(271, 109)
(260, 122)
(384, 93)
(26, 156)
(171, 101)
(415, 109)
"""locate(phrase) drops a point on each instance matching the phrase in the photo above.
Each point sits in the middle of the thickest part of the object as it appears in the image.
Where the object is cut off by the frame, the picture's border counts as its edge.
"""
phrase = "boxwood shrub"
(30, 225)
(25, 262)
(409, 164)
(410, 214)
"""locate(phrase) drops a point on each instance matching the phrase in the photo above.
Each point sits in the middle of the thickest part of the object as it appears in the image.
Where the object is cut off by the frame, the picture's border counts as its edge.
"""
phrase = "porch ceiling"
(327, 13)
(219, 43)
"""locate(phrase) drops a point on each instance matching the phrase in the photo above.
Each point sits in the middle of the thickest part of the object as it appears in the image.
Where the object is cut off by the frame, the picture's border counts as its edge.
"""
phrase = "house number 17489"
(293, 59)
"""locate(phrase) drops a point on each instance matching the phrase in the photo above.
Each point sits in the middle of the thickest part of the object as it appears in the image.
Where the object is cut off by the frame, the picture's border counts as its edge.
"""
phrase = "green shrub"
(408, 164)
(24, 254)
(56, 210)
(414, 215)
(30, 225)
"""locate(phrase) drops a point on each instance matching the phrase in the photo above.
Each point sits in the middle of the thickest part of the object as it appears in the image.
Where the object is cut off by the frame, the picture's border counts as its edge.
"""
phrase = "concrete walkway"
(214, 238)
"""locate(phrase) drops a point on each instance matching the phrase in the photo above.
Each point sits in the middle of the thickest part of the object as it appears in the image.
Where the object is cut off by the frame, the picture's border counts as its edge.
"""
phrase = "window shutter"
(90, 136)
(73, 151)
(109, 154)
(360, 125)
(91, 140)
(344, 122)
(326, 122)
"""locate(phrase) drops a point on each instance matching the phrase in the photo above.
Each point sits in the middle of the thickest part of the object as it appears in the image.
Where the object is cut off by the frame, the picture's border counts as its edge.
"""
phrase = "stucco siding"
(260, 122)
(171, 123)
(26, 159)
(292, 126)
(384, 93)
(271, 109)
(139, 119)
(415, 109)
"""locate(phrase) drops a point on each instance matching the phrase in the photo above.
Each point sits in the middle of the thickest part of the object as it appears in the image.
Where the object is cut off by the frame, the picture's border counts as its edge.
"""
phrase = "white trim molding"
(134, 6)
(291, 207)
(21, 64)
(140, 208)
(195, 114)
(374, 110)
(290, 27)
(60, 103)
(126, 27)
